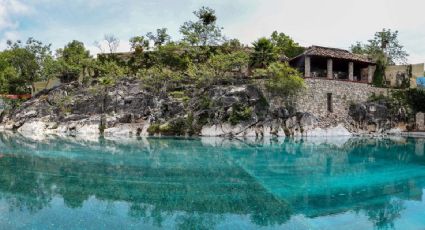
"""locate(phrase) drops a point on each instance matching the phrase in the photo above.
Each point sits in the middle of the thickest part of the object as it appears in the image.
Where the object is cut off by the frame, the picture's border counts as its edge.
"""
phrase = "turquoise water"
(211, 183)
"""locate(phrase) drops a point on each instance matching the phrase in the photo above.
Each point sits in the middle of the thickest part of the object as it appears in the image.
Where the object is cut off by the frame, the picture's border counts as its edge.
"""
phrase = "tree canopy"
(72, 60)
(282, 79)
(160, 38)
(383, 46)
(264, 53)
(204, 31)
(285, 45)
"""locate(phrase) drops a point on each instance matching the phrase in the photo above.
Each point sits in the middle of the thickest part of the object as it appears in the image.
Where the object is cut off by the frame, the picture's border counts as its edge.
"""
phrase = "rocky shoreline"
(245, 110)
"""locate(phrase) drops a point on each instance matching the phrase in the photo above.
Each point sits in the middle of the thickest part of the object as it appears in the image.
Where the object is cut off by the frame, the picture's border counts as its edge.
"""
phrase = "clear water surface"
(211, 183)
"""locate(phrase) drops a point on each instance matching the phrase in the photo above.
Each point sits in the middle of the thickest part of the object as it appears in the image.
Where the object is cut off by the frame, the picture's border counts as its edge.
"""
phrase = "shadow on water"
(201, 182)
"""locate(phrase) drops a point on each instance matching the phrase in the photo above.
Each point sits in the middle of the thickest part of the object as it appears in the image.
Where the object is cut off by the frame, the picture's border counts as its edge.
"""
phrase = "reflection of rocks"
(420, 147)
(268, 180)
(166, 180)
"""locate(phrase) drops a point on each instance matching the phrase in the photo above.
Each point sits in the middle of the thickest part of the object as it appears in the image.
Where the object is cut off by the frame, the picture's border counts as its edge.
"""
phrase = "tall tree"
(264, 53)
(113, 42)
(285, 45)
(74, 59)
(28, 59)
(139, 44)
(385, 49)
(204, 31)
(384, 45)
(110, 41)
(160, 38)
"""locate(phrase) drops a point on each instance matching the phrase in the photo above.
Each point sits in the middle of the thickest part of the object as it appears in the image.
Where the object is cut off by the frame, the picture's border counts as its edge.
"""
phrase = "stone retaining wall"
(343, 93)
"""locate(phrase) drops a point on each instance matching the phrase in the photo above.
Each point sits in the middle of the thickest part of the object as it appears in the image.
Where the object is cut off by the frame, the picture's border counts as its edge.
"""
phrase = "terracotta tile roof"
(334, 53)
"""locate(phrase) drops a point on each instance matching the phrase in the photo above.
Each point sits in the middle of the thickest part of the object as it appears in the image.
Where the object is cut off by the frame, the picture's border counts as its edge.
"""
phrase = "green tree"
(160, 38)
(74, 61)
(204, 31)
(282, 79)
(139, 44)
(384, 45)
(286, 45)
(263, 54)
(27, 60)
(160, 79)
(174, 55)
(231, 45)
(385, 49)
(51, 69)
(222, 64)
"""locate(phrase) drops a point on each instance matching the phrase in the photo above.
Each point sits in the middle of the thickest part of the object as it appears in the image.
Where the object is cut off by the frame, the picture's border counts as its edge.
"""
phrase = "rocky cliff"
(126, 109)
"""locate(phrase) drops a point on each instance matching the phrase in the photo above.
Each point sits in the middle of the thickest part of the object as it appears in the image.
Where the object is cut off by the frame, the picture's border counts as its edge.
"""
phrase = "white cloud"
(336, 23)
(332, 23)
(8, 9)
(9, 35)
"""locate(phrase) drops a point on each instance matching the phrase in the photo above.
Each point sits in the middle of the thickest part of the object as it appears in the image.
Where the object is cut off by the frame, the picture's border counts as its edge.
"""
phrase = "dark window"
(330, 107)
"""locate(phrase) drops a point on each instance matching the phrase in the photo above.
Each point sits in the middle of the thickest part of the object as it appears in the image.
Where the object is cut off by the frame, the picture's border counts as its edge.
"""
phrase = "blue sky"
(336, 23)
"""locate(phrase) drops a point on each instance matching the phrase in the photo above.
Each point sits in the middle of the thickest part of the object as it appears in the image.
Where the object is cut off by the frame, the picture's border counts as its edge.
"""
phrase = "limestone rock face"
(127, 109)
(377, 117)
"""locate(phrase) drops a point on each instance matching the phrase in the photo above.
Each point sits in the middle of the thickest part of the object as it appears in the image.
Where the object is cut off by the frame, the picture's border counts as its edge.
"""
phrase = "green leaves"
(384, 47)
(204, 31)
(160, 38)
(285, 45)
(282, 80)
(264, 53)
(268, 50)
(21, 64)
(72, 60)
(225, 63)
(139, 44)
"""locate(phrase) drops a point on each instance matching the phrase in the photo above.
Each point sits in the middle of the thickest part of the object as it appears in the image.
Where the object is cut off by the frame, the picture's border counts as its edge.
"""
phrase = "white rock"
(339, 130)
(35, 130)
(395, 131)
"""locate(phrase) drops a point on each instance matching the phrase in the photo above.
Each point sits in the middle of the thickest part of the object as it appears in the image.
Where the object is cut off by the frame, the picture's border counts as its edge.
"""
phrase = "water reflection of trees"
(384, 214)
(318, 165)
(161, 177)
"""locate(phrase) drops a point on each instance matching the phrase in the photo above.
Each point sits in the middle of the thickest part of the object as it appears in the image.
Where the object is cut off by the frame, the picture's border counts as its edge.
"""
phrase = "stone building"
(333, 63)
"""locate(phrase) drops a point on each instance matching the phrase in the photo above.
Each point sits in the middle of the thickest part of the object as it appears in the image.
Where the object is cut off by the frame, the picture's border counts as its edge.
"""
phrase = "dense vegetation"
(411, 99)
(203, 57)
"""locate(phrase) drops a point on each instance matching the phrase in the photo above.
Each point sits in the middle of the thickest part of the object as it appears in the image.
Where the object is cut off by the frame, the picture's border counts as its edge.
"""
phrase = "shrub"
(416, 99)
(160, 79)
(177, 94)
(205, 103)
(176, 127)
(153, 129)
(282, 79)
(240, 113)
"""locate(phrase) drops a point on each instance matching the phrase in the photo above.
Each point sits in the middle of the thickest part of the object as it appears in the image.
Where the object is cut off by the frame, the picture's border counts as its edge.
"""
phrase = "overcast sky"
(335, 23)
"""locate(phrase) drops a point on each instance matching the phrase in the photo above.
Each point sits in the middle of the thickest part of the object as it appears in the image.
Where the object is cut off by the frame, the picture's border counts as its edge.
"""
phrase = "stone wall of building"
(322, 94)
